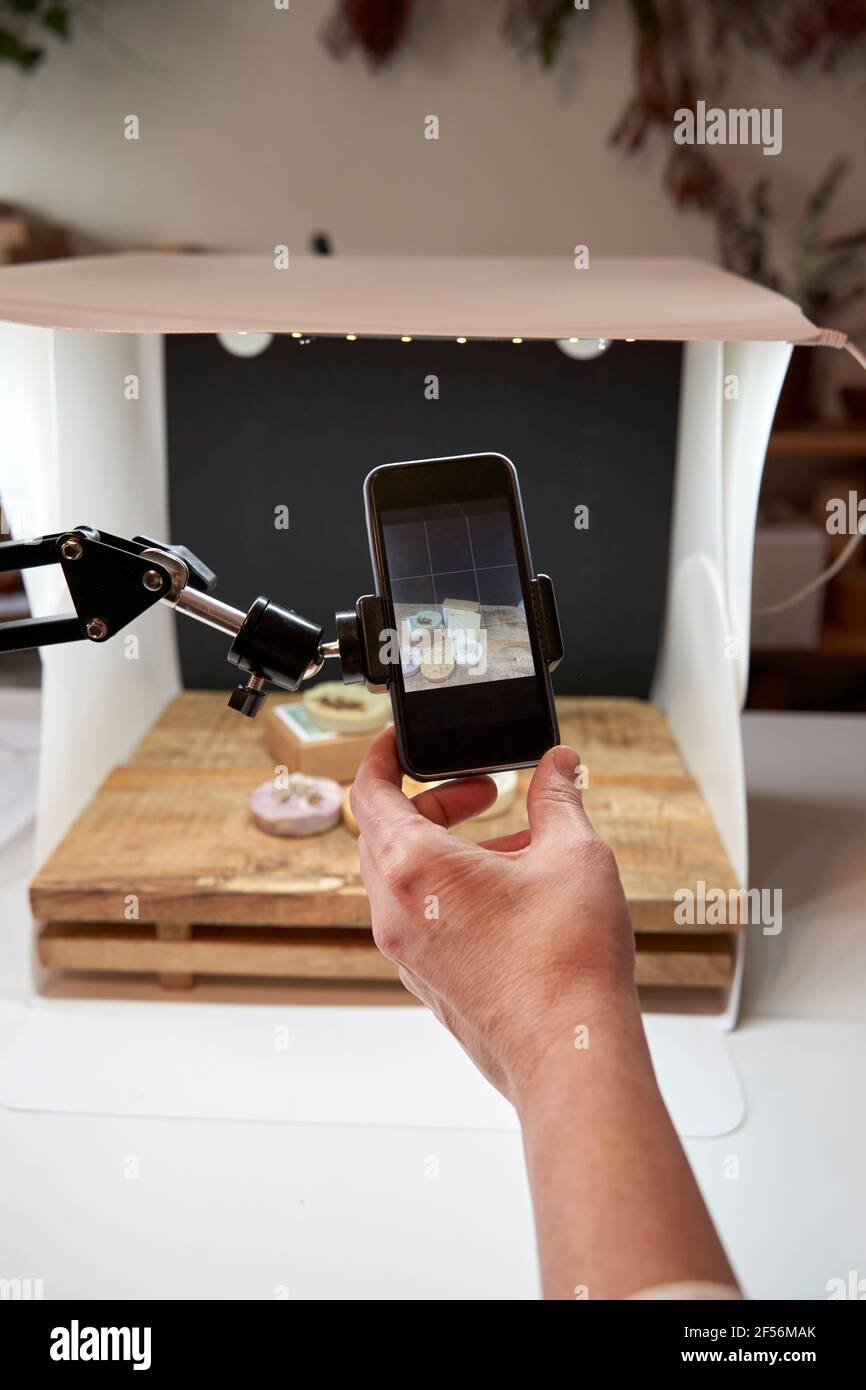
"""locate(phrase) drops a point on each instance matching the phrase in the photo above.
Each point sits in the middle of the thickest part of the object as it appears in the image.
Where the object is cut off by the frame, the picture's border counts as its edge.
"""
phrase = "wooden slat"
(320, 953)
(172, 828)
(174, 931)
(685, 960)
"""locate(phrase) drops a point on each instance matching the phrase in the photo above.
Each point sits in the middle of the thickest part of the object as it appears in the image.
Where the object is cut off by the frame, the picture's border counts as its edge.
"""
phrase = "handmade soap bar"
(426, 620)
(438, 670)
(295, 742)
(506, 783)
(466, 651)
(410, 659)
(345, 709)
(462, 613)
(296, 805)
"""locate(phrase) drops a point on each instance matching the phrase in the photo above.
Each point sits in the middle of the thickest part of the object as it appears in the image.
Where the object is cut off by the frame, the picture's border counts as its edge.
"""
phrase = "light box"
(83, 425)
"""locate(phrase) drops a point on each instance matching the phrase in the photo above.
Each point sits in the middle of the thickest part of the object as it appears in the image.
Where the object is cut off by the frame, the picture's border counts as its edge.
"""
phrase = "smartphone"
(470, 688)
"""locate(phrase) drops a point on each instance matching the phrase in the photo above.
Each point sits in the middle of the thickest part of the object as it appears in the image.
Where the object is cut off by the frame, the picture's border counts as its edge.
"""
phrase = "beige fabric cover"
(474, 296)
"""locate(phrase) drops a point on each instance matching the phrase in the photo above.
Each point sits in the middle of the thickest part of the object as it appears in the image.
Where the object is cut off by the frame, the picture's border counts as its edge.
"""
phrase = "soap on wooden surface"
(172, 826)
(296, 743)
(293, 804)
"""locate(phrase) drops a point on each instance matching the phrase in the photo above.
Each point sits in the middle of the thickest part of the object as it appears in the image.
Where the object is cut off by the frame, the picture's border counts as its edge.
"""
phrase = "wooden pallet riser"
(170, 834)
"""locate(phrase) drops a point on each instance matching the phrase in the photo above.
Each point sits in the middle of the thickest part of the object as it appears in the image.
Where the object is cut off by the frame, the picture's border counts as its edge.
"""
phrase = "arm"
(523, 948)
(617, 1209)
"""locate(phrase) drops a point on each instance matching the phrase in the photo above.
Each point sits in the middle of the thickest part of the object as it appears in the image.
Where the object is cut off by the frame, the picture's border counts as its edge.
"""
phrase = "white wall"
(252, 135)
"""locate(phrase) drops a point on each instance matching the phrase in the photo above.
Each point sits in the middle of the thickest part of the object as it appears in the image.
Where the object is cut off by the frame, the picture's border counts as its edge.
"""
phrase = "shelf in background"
(13, 604)
(834, 642)
(837, 642)
(828, 677)
(825, 441)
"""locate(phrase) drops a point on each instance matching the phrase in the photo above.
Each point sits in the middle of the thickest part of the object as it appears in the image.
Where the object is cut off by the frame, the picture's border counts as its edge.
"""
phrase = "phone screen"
(470, 688)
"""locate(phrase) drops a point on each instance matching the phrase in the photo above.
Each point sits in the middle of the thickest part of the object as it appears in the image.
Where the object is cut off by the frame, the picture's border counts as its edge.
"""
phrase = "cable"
(855, 353)
(841, 560)
(829, 338)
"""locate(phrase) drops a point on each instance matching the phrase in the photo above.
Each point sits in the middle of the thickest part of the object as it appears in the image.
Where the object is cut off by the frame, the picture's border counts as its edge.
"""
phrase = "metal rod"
(209, 610)
(26, 633)
(28, 555)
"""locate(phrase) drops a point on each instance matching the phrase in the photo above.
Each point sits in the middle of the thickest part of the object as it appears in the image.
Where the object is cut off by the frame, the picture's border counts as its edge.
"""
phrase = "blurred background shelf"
(811, 656)
(13, 605)
(820, 441)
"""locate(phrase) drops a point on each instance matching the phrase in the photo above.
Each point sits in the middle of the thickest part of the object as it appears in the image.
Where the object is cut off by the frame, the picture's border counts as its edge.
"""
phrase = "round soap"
(343, 709)
(506, 783)
(348, 814)
(506, 786)
(427, 619)
(466, 650)
(413, 788)
(303, 806)
(438, 670)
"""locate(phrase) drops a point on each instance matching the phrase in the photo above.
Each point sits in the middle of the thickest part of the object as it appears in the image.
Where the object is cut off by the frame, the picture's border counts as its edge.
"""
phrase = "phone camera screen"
(459, 607)
(470, 689)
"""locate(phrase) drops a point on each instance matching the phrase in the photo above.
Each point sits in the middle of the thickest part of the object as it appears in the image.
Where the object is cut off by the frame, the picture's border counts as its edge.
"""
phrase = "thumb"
(554, 802)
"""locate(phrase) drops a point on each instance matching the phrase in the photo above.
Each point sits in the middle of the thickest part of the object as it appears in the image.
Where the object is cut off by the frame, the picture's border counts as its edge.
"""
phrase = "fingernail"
(566, 761)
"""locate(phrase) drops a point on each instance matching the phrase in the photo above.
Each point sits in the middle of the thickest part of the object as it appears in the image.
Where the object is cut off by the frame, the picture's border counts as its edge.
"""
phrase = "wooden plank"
(174, 931)
(685, 961)
(197, 729)
(172, 828)
(318, 953)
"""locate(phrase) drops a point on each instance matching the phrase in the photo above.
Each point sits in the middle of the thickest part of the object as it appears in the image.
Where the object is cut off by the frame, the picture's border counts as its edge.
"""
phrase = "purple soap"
(294, 804)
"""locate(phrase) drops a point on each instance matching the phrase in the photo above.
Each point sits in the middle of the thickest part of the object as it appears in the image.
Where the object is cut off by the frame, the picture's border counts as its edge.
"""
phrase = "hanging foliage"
(25, 25)
(537, 27)
(377, 27)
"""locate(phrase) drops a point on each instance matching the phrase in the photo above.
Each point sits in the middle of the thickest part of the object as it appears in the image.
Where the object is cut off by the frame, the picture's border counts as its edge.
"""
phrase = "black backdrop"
(300, 426)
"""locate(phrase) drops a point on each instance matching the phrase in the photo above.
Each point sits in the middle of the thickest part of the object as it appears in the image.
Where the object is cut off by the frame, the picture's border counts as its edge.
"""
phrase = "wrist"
(591, 1035)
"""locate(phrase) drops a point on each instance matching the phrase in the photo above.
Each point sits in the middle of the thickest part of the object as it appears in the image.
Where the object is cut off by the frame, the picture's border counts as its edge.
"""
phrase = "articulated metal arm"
(112, 581)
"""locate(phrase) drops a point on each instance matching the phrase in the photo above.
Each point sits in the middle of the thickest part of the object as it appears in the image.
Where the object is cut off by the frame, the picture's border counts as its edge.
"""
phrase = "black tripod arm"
(108, 581)
(112, 581)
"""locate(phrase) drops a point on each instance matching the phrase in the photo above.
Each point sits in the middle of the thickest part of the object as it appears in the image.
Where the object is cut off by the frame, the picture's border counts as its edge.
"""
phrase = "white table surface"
(236, 1209)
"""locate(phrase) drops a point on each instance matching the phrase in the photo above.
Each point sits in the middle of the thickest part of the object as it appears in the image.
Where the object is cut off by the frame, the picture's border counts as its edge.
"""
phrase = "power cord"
(829, 338)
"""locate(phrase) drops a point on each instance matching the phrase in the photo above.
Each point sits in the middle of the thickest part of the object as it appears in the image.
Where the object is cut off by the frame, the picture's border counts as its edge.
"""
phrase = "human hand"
(511, 943)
